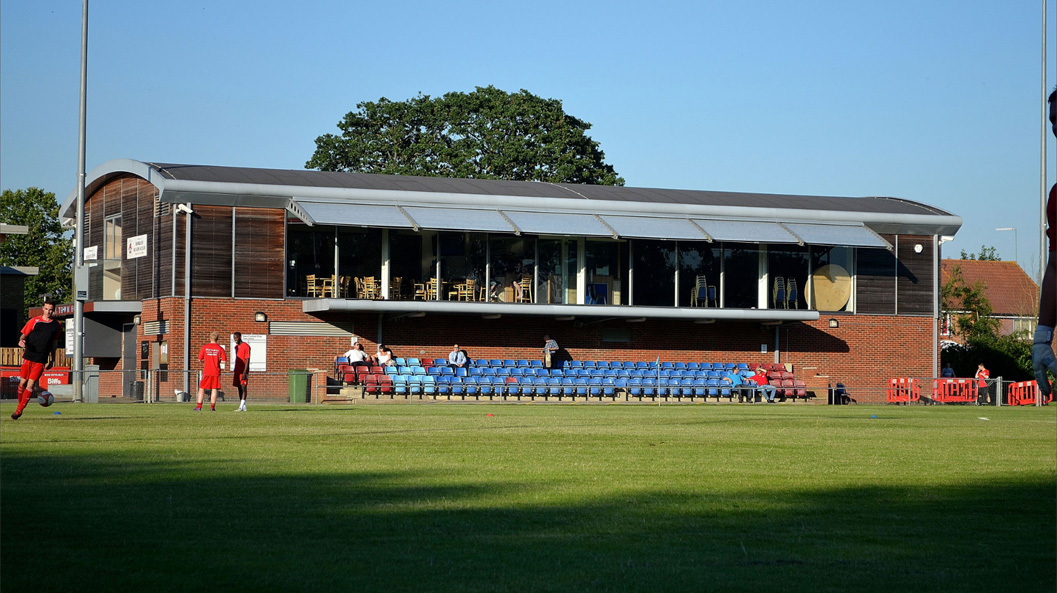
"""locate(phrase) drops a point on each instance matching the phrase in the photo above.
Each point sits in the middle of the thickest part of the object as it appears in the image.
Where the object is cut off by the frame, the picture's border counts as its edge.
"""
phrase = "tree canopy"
(485, 134)
(45, 246)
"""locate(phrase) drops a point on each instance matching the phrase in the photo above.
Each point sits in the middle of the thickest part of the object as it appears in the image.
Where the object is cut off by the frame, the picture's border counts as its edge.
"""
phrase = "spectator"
(550, 347)
(356, 355)
(457, 358)
(947, 372)
(763, 385)
(737, 386)
(385, 356)
(983, 384)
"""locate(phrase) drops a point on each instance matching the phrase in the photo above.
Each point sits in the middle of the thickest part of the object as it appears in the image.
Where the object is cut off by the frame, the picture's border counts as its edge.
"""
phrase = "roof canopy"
(434, 203)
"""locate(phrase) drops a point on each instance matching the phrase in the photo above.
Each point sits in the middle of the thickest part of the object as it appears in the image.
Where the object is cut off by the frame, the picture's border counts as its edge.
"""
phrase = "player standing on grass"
(241, 368)
(40, 337)
(211, 356)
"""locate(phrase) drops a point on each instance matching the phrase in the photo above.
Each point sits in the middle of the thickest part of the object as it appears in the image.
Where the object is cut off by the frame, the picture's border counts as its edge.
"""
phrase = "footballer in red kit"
(211, 355)
(39, 338)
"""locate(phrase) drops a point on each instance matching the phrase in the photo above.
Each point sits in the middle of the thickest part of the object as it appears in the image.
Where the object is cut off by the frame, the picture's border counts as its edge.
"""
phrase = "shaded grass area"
(533, 498)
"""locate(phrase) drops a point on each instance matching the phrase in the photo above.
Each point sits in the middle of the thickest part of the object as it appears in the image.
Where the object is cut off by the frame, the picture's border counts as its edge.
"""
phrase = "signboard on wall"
(136, 247)
(258, 344)
(91, 253)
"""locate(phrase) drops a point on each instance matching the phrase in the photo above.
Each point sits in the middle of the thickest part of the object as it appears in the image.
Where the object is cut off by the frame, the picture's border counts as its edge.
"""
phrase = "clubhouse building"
(838, 289)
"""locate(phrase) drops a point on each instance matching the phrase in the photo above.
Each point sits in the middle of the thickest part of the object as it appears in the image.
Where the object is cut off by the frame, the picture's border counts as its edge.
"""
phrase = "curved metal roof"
(245, 186)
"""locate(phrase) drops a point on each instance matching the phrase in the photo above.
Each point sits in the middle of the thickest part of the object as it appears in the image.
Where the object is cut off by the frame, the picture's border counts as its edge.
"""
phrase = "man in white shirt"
(457, 358)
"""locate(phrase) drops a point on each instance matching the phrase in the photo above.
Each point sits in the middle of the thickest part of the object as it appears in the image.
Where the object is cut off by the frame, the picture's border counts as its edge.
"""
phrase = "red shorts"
(31, 370)
(239, 380)
(210, 382)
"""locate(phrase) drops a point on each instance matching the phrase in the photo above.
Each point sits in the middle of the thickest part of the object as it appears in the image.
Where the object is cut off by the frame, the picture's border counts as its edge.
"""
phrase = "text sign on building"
(91, 253)
(137, 247)
(258, 344)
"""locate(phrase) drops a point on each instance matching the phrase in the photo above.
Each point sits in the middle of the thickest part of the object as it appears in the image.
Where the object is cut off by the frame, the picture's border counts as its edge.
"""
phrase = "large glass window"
(699, 259)
(513, 259)
(463, 260)
(606, 265)
(360, 262)
(655, 264)
(412, 257)
(787, 270)
(309, 257)
(558, 269)
(831, 278)
(741, 275)
(112, 249)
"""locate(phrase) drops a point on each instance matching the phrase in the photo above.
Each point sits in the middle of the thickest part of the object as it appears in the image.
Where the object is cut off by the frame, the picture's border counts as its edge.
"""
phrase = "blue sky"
(936, 101)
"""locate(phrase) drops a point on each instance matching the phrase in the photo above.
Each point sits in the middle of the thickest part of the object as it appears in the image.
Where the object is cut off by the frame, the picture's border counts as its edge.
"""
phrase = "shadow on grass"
(102, 523)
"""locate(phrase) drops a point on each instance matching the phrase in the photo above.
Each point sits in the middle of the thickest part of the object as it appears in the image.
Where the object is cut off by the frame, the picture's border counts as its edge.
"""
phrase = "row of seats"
(344, 371)
(584, 364)
(550, 386)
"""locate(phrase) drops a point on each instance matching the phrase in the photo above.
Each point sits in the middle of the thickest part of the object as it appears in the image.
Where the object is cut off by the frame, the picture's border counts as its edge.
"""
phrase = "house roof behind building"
(1006, 285)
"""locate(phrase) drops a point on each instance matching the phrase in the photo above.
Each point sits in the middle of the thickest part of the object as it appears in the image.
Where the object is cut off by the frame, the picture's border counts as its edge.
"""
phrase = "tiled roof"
(1007, 286)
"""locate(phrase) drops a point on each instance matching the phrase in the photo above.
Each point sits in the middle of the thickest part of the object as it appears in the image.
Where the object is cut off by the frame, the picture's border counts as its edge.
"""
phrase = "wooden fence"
(12, 357)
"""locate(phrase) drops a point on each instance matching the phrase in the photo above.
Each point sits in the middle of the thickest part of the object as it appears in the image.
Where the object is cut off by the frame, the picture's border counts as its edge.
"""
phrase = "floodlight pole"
(80, 291)
(1042, 173)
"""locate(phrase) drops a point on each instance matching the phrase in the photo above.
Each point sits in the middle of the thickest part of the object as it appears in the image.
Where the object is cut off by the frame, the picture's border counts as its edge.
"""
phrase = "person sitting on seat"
(457, 358)
(356, 355)
(763, 385)
(737, 386)
(947, 372)
(385, 356)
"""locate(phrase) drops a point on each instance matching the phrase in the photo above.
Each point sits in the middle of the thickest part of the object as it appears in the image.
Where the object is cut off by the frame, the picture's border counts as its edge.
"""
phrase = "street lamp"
(1014, 229)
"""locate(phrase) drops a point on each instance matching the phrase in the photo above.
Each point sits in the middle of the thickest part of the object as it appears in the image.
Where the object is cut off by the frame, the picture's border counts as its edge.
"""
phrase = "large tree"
(45, 247)
(486, 134)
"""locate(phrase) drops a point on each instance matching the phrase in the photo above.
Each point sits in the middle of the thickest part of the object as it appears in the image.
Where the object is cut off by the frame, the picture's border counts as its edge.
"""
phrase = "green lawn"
(127, 497)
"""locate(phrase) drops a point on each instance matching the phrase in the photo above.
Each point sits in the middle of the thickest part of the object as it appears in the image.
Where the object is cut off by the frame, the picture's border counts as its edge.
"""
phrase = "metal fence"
(315, 386)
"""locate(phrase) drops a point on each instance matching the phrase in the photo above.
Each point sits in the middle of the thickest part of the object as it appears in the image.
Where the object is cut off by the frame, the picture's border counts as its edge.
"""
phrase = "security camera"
(185, 208)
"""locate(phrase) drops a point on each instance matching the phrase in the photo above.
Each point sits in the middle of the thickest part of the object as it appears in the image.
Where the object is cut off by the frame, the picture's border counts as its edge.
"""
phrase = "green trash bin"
(299, 385)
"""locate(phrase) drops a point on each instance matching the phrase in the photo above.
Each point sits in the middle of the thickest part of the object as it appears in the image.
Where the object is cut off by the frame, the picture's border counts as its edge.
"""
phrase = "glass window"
(512, 259)
(655, 264)
(462, 258)
(309, 251)
(831, 278)
(359, 257)
(412, 257)
(698, 259)
(606, 265)
(112, 249)
(741, 275)
(787, 266)
(557, 272)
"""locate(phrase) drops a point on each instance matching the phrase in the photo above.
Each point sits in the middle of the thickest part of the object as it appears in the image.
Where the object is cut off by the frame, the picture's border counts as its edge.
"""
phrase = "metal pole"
(187, 300)
(78, 306)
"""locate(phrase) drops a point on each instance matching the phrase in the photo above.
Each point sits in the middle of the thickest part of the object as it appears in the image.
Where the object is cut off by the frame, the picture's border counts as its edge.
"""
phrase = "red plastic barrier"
(1025, 393)
(903, 390)
(954, 391)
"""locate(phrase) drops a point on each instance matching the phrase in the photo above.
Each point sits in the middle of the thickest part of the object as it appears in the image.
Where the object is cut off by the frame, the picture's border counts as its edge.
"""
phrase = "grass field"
(528, 498)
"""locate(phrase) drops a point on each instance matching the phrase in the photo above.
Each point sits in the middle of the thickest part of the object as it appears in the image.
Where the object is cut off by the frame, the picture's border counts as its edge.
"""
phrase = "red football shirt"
(242, 358)
(211, 354)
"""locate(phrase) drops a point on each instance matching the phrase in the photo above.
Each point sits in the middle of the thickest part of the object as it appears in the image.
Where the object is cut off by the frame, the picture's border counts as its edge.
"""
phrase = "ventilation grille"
(155, 328)
(307, 328)
(161, 208)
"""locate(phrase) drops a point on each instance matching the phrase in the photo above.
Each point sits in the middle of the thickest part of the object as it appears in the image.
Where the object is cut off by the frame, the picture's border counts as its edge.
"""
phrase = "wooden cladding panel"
(259, 253)
(917, 293)
(211, 256)
(875, 281)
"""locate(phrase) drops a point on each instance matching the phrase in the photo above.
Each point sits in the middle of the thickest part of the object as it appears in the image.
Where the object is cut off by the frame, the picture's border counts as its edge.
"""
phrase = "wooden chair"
(468, 290)
(419, 293)
(396, 288)
(524, 295)
(343, 286)
(312, 289)
(370, 287)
